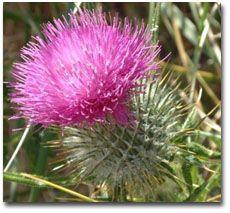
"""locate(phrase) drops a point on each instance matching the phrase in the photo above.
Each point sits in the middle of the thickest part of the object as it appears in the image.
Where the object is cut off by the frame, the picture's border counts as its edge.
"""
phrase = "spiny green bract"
(131, 161)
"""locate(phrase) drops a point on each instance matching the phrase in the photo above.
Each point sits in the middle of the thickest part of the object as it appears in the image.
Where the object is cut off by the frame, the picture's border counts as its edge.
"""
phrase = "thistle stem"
(119, 193)
(40, 170)
(26, 131)
(154, 19)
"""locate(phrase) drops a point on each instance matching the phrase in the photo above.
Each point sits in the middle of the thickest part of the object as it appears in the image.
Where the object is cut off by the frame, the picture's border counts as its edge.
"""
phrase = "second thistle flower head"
(83, 71)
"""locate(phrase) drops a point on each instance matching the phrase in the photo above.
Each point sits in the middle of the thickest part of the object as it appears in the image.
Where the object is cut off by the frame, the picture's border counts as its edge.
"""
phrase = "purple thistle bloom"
(83, 71)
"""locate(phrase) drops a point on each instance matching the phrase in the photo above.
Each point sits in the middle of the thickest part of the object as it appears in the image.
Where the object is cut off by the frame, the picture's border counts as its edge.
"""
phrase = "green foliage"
(18, 178)
(186, 170)
(203, 151)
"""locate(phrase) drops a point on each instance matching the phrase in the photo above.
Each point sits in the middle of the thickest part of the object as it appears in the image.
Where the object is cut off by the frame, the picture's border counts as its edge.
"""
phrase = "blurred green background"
(190, 31)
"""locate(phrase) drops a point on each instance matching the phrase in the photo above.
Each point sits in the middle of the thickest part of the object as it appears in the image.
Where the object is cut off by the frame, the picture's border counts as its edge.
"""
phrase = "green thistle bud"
(130, 161)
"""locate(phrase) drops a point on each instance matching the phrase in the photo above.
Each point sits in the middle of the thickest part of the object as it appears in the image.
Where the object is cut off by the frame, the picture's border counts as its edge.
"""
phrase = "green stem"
(203, 28)
(41, 163)
(40, 170)
(119, 194)
(154, 19)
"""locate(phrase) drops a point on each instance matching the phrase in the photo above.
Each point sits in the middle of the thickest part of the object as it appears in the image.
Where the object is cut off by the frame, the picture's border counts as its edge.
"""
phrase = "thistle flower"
(131, 161)
(85, 70)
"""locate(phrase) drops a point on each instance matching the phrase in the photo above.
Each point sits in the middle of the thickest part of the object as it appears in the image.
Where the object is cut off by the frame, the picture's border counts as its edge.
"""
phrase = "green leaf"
(200, 193)
(203, 151)
(168, 167)
(186, 171)
(215, 137)
(213, 181)
(193, 197)
(18, 178)
(191, 119)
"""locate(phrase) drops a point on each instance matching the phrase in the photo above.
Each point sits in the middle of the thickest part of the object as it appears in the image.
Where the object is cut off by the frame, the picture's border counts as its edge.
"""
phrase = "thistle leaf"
(186, 171)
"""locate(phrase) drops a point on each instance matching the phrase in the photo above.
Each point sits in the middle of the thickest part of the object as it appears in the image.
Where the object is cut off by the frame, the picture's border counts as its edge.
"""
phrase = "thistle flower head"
(84, 70)
(135, 160)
